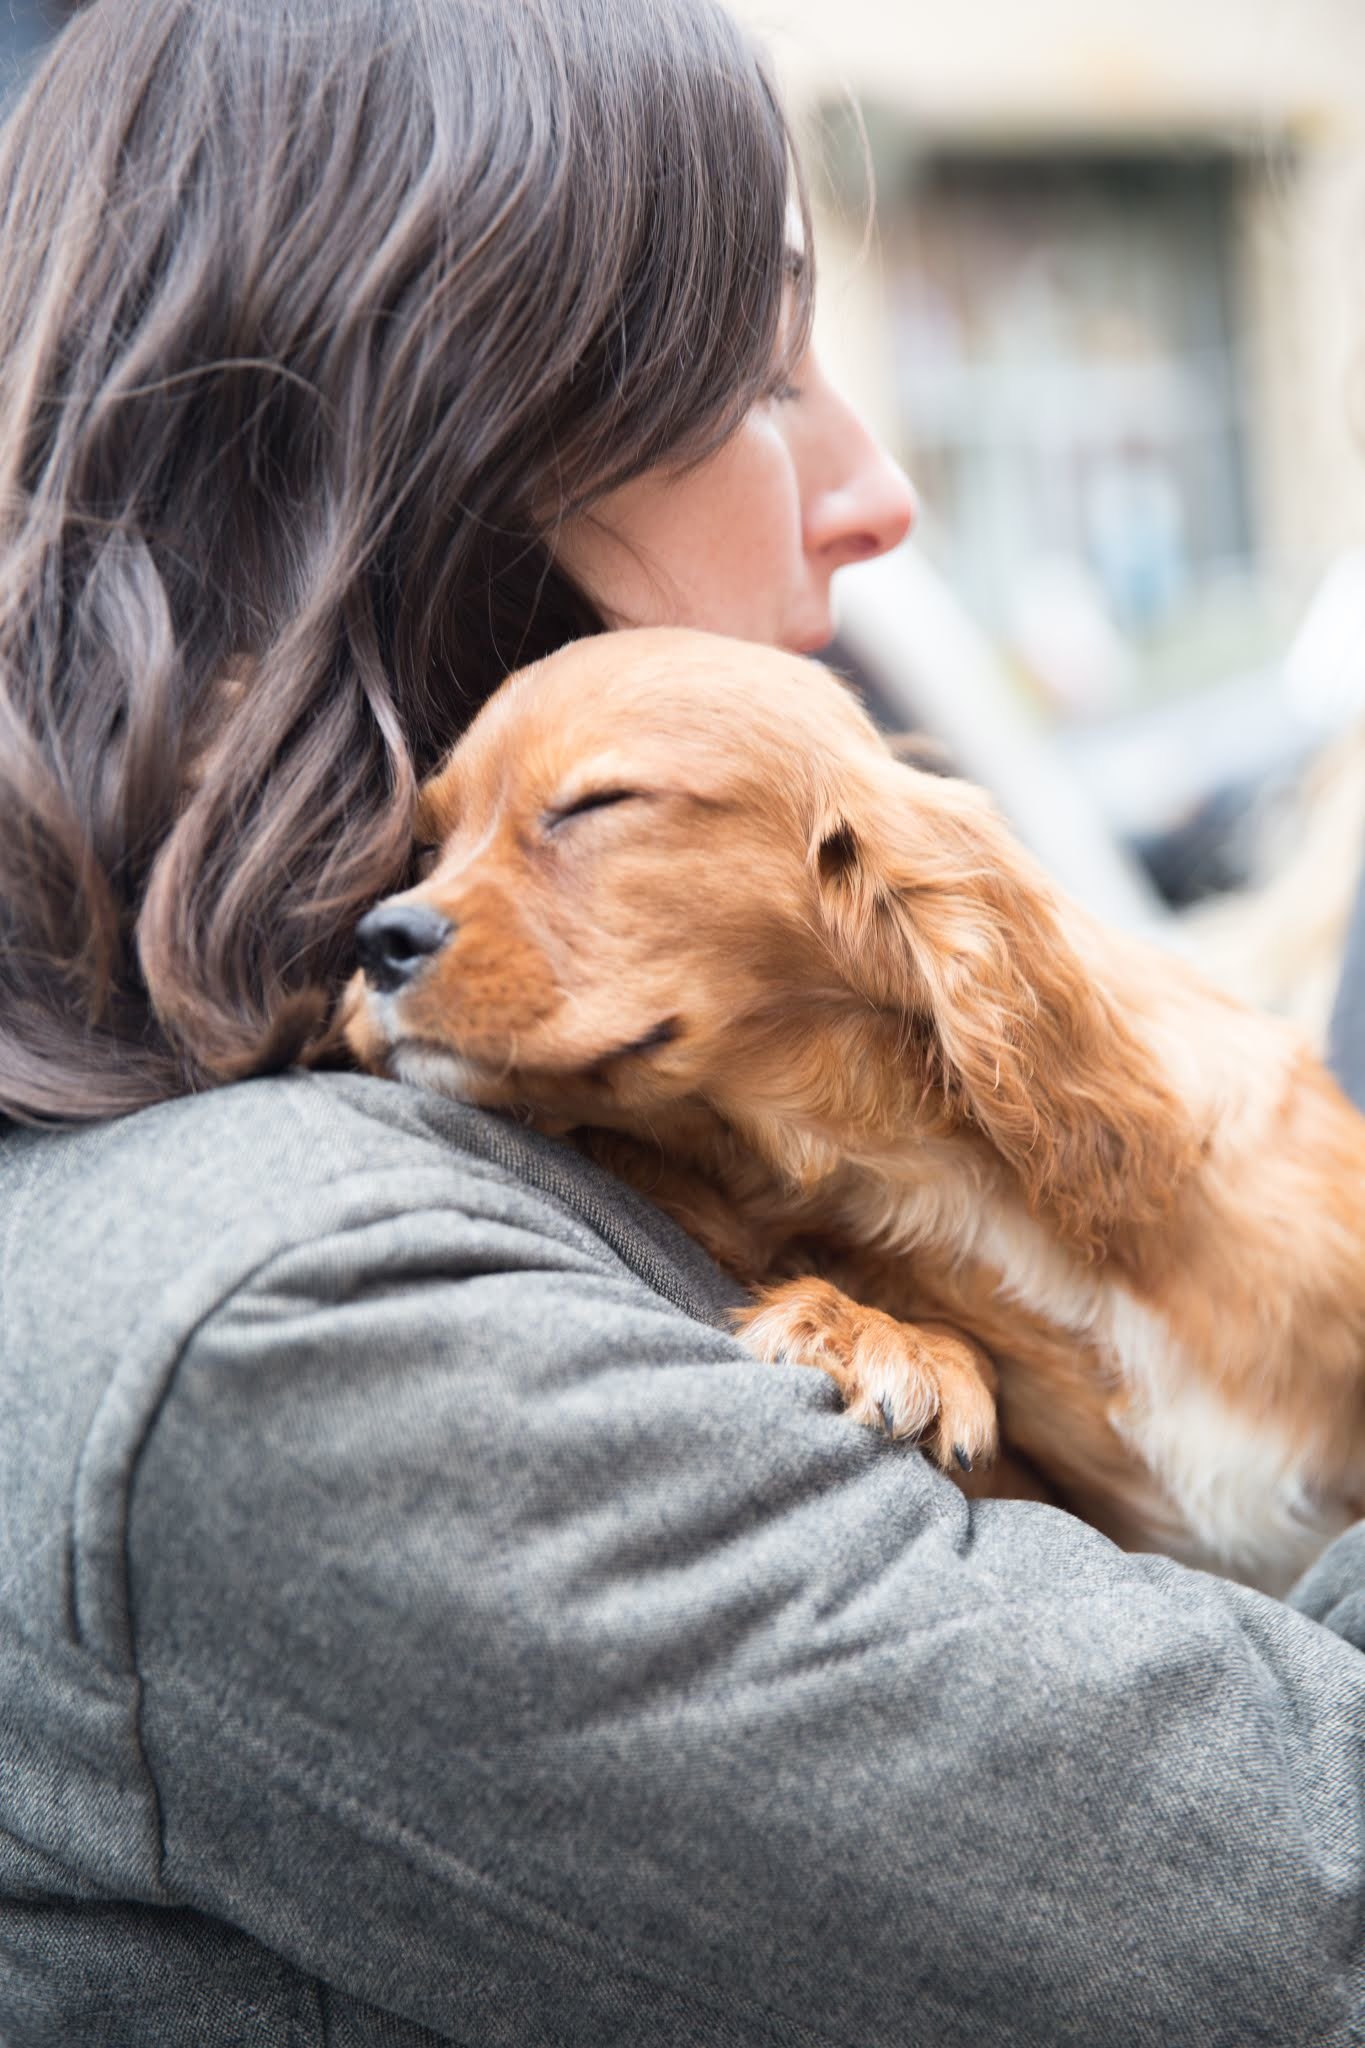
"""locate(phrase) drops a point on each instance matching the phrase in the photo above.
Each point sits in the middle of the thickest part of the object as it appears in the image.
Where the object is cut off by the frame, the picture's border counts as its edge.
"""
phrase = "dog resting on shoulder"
(977, 1157)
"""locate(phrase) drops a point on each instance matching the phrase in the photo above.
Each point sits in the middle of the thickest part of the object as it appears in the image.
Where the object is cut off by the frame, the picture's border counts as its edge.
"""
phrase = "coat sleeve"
(517, 1656)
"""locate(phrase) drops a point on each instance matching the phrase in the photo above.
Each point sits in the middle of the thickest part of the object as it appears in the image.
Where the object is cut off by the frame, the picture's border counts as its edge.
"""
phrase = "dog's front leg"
(923, 1381)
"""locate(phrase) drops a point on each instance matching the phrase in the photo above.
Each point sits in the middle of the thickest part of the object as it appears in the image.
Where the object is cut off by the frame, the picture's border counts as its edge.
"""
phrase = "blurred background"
(25, 25)
(1110, 313)
(1111, 317)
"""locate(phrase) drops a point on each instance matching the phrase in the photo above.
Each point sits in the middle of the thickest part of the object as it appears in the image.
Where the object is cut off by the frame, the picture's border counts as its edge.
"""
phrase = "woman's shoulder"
(217, 1184)
(266, 1359)
(319, 1240)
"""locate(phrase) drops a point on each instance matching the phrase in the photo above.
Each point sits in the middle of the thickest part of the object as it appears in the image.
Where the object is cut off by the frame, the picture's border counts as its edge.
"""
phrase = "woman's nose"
(860, 500)
(867, 515)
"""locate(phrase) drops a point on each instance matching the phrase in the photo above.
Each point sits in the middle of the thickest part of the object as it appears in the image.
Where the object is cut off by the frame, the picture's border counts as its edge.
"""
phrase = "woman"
(421, 1622)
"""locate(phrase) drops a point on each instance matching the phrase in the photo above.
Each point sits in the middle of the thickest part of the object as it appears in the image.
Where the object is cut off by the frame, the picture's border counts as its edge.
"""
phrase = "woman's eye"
(784, 387)
(595, 800)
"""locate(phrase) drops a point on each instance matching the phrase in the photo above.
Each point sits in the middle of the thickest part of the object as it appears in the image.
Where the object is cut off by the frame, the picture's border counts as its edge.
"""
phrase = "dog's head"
(667, 868)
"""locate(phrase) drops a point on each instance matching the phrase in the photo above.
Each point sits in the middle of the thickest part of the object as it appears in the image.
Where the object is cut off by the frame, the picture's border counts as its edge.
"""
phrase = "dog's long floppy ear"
(936, 914)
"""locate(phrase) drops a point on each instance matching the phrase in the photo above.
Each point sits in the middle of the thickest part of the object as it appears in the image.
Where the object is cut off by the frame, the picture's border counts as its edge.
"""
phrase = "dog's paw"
(920, 1381)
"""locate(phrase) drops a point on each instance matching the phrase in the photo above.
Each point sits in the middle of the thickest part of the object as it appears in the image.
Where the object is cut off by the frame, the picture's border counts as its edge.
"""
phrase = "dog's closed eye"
(591, 800)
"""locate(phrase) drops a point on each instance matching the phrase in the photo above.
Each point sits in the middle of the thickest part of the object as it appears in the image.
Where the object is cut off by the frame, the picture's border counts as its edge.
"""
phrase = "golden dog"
(825, 1010)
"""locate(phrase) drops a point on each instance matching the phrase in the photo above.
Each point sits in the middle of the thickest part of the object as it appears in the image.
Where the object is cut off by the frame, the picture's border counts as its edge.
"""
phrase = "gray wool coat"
(420, 1622)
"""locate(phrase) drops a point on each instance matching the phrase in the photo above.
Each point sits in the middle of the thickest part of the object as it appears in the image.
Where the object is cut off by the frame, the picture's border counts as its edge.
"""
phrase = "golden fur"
(826, 1011)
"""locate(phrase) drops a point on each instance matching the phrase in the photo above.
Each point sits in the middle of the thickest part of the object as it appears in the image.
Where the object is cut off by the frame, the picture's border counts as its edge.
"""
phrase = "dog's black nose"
(395, 941)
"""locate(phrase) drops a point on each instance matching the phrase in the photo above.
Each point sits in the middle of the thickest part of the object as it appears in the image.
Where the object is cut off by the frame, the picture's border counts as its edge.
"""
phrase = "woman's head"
(319, 319)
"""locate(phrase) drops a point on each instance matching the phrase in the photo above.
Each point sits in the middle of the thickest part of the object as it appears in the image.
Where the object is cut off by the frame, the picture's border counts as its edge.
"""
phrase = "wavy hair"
(316, 316)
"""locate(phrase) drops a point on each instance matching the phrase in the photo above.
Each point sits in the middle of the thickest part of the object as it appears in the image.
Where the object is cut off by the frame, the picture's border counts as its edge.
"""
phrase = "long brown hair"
(315, 317)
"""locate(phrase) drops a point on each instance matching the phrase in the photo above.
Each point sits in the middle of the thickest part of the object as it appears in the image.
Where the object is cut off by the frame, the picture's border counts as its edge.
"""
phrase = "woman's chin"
(812, 637)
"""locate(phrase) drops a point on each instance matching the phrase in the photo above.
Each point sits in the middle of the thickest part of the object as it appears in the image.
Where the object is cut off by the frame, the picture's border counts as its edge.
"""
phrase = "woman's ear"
(934, 912)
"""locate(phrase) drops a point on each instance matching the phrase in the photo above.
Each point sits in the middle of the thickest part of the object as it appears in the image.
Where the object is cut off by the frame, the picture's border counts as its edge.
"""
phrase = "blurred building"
(1109, 312)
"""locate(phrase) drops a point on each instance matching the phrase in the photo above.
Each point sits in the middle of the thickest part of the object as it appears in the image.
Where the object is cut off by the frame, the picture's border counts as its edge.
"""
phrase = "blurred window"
(1072, 403)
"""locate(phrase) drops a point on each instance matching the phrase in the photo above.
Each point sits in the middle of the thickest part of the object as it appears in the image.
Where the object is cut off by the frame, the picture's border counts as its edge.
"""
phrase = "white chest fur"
(1240, 1493)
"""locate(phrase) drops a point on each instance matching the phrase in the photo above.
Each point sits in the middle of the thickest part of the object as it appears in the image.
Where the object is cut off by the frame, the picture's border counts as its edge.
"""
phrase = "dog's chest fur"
(1095, 1384)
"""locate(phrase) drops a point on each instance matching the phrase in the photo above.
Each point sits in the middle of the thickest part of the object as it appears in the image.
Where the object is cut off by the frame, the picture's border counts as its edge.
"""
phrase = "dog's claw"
(888, 1414)
(962, 1458)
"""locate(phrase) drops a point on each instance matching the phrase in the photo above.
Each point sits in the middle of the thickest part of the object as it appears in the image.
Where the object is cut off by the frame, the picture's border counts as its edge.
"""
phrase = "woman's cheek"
(718, 547)
(764, 519)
